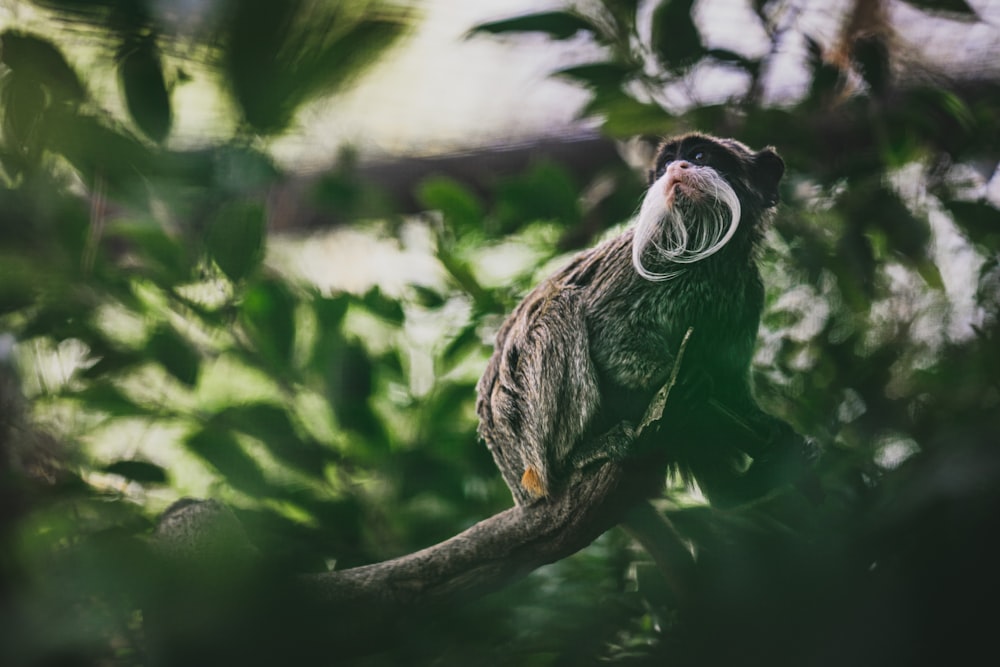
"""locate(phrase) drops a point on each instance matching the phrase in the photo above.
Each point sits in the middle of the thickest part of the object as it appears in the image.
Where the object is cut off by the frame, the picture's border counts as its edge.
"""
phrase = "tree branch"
(498, 550)
(487, 557)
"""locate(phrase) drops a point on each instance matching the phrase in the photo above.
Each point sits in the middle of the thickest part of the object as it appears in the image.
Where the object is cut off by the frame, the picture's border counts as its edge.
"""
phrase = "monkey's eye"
(699, 157)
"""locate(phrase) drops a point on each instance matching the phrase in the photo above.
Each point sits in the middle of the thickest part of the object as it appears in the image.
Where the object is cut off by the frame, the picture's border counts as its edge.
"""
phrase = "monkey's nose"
(675, 175)
(679, 165)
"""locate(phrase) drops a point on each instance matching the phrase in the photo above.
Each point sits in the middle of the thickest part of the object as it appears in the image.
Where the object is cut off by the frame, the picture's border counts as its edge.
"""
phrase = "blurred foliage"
(137, 307)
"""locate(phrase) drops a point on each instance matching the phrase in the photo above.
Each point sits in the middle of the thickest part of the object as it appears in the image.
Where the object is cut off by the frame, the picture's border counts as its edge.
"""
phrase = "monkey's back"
(589, 346)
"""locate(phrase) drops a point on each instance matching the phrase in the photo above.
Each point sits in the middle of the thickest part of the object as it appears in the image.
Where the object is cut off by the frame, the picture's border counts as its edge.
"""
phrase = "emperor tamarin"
(589, 347)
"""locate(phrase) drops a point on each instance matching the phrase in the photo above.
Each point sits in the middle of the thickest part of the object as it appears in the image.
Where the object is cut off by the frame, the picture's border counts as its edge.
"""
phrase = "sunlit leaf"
(930, 272)
(112, 362)
(104, 397)
(223, 452)
(271, 425)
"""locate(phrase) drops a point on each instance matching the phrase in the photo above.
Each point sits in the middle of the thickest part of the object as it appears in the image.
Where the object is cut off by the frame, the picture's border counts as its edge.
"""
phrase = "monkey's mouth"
(683, 195)
(679, 193)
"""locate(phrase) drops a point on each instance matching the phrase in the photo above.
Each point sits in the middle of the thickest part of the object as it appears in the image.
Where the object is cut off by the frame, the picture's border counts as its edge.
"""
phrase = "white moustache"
(684, 234)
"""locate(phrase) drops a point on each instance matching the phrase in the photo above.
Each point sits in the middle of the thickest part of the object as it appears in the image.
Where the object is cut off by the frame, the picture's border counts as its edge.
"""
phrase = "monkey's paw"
(613, 445)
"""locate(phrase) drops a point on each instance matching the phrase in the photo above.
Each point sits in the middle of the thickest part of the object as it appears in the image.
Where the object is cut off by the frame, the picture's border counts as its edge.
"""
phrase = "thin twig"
(656, 406)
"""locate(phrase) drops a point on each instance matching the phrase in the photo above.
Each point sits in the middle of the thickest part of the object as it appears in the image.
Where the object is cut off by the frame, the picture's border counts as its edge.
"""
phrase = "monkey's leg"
(544, 392)
(619, 442)
(614, 445)
(780, 454)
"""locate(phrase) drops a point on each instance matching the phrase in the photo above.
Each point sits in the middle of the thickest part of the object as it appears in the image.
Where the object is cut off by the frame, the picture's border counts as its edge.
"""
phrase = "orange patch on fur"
(533, 483)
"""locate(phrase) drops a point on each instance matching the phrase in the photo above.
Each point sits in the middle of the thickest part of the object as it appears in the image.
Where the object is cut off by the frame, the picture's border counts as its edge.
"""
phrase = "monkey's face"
(700, 191)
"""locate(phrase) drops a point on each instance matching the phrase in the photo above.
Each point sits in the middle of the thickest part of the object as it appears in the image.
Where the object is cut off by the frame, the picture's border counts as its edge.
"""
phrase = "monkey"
(588, 348)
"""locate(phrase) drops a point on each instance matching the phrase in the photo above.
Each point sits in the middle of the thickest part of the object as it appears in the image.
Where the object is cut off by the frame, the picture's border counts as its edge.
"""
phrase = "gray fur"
(590, 345)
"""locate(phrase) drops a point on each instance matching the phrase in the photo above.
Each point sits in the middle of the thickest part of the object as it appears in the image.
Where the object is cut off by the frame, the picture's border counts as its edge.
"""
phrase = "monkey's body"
(590, 346)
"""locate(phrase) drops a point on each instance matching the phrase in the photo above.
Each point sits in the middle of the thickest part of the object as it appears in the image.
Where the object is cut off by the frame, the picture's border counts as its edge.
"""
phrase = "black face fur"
(753, 175)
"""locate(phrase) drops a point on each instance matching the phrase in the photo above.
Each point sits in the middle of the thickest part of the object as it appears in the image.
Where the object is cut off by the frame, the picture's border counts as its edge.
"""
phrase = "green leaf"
(733, 58)
(236, 236)
(623, 9)
(268, 313)
(467, 340)
(223, 452)
(23, 103)
(960, 8)
(624, 116)
(350, 380)
(40, 60)
(155, 250)
(112, 362)
(427, 297)
(140, 72)
(138, 471)
(281, 54)
(175, 354)
(377, 303)
(557, 25)
(546, 191)
(931, 274)
(598, 75)
(107, 398)
(101, 152)
(330, 310)
(459, 205)
(884, 211)
(675, 38)
(979, 220)
(19, 286)
(271, 425)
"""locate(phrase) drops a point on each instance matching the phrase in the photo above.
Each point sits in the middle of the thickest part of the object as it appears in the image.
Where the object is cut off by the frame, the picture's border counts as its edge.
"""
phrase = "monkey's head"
(703, 191)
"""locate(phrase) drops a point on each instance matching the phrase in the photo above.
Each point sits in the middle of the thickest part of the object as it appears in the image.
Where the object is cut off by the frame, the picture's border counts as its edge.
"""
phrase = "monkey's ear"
(768, 169)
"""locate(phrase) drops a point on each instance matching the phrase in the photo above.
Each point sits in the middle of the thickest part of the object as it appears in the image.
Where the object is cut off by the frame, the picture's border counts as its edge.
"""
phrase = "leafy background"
(155, 345)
